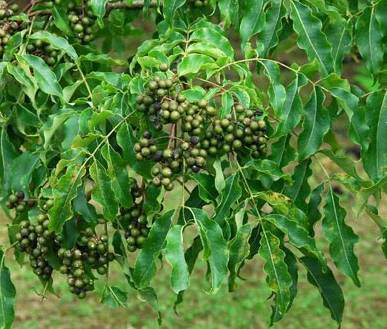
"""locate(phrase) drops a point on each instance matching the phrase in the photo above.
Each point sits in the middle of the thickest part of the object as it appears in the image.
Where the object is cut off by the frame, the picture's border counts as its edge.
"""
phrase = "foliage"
(92, 146)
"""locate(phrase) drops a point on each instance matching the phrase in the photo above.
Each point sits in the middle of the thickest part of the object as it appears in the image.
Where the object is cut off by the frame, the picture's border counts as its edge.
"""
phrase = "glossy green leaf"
(193, 63)
(65, 191)
(239, 251)
(7, 295)
(103, 192)
(310, 36)
(291, 112)
(272, 27)
(206, 184)
(298, 235)
(375, 158)
(300, 189)
(251, 22)
(7, 155)
(315, 126)
(369, 39)
(341, 237)
(99, 7)
(231, 194)
(145, 266)
(278, 278)
(118, 175)
(326, 283)
(174, 253)
(170, 8)
(56, 42)
(215, 247)
(313, 212)
(45, 78)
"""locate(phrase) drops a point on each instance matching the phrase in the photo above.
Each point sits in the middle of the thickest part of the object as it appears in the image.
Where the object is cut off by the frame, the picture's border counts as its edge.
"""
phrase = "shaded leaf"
(341, 237)
(326, 283)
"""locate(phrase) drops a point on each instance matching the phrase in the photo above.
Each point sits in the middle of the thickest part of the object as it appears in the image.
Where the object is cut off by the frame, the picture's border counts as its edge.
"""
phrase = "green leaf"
(118, 175)
(170, 8)
(53, 123)
(278, 278)
(291, 112)
(341, 237)
(277, 92)
(214, 35)
(60, 20)
(291, 262)
(229, 11)
(191, 255)
(64, 192)
(7, 295)
(99, 7)
(56, 42)
(316, 125)
(300, 188)
(341, 91)
(220, 183)
(114, 297)
(22, 168)
(174, 253)
(339, 35)
(251, 22)
(313, 212)
(310, 36)
(25, 78)
(226, 200)
(298, 235)
(239, 251)
(193, 63)
(272, 26)
(7, 155)
(45, 78)
(375, 158)
(103, 191)
(206, 185)
(145, 266)
(369, 39)
(215, 247)
(281, 152)
(227, 103)
(148, 295)
(326, 283)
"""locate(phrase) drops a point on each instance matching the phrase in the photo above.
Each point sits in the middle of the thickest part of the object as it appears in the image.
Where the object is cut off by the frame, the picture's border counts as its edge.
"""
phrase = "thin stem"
(84, 81)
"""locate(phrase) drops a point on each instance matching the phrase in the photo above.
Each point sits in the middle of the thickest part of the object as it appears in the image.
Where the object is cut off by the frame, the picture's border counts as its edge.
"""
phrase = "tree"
(92, 145)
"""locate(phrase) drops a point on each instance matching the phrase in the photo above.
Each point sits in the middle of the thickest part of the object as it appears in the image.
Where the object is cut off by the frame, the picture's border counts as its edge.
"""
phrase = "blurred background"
(247, 307)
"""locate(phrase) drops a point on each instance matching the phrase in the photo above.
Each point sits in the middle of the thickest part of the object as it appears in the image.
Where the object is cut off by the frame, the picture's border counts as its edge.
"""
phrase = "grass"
(244, 309)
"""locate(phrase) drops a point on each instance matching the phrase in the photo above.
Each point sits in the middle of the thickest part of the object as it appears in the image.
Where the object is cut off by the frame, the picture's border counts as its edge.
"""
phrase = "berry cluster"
(44, 50)
(82, 21)
(136, 226)
(91, 252)
(133, 221)
(195, 130)
(164, 104)
(18, 202)
(7, 26)
(36, 241)
(199, 3)
(246, 130)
